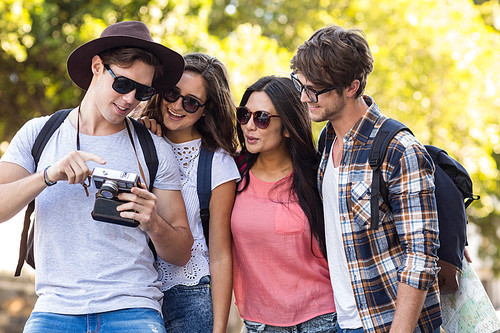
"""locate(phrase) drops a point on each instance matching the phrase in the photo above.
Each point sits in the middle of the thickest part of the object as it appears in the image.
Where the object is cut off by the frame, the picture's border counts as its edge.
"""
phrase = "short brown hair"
(125, 56)
(335, 56)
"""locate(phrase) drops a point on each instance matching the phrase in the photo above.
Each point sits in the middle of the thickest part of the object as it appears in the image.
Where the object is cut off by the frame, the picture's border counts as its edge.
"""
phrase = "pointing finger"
(86, 156)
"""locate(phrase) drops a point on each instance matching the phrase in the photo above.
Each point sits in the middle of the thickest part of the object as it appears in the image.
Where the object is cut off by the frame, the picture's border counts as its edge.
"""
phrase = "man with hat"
(91, 275)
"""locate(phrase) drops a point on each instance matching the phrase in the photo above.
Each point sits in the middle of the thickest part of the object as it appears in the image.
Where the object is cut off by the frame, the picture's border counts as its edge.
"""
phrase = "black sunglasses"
(189, 104)
(124, 85)
(261, 119)
(311, 93)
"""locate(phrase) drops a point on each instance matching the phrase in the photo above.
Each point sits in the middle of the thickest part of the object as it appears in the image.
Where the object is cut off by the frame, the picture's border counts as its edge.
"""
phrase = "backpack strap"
(23, 247)
(151, 158)
(322, 141)
(148, 149)
(389, 128)
(204, 188)
(46, 133)
(26, 246)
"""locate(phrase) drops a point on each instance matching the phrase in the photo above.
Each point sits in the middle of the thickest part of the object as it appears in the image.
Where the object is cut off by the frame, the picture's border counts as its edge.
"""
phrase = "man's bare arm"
(409, 304)
(18, 187)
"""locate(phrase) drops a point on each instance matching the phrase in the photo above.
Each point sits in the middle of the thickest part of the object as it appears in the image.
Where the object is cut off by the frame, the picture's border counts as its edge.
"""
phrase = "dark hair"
(334, 56)
(126, 56)
(305, 159)
(217, 124)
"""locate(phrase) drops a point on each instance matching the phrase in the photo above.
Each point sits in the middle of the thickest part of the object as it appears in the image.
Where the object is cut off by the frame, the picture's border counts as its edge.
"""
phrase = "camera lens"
(109, 189)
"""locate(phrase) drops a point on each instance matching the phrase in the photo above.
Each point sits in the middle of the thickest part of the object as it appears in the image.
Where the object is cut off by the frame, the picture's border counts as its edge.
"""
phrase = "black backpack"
(151, 158)
(453, 191)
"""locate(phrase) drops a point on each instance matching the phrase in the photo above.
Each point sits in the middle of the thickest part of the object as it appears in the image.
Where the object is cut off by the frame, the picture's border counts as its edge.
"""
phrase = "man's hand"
(151, 125)
(73, 167)
(18, 187)
(141, 206)
(467, 255)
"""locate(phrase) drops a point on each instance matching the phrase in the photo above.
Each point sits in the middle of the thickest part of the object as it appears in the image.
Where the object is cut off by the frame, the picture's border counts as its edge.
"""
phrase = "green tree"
(37, 36)
(436, 64)
(436, 69)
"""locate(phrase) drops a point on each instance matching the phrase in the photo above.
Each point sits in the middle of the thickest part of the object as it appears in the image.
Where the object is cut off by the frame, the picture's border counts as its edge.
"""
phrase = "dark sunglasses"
(311, 93)
(189, 104)
(124, 85)
(261, 119)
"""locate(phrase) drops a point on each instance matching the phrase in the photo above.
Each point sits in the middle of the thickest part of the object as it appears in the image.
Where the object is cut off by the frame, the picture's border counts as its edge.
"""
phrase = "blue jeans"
(188, 308)
(321, 324)
(349, 330)
(129, 320)
(360, 330)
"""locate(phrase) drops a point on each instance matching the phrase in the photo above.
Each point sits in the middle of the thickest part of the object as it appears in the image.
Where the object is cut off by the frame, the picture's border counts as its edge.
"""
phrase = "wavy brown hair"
(334, 56)
(217, 126)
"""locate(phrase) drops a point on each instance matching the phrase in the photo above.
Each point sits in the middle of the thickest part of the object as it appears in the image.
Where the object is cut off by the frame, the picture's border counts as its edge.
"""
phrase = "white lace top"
(224, 169)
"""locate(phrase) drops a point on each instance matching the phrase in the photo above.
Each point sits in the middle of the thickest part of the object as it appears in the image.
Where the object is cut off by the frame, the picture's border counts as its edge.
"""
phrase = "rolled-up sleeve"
(411, 195)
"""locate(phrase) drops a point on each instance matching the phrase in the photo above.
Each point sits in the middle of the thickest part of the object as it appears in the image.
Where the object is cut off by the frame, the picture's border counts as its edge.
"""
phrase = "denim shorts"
(188, 308)
(141, 320)
(321, 324)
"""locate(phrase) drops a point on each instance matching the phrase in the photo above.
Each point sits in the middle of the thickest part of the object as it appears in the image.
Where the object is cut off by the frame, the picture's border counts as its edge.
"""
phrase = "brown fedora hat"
(125, 34)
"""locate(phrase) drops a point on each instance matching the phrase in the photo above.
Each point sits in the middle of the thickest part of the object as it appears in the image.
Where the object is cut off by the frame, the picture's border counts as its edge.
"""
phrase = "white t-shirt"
(224, 169)
(82, 265)
(347, 311)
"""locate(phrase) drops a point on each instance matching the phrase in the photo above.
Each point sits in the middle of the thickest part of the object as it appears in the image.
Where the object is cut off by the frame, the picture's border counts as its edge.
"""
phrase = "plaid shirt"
(403, 248)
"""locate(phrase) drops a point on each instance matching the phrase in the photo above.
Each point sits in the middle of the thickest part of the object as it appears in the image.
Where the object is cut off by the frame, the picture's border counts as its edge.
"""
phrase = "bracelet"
(46, 178)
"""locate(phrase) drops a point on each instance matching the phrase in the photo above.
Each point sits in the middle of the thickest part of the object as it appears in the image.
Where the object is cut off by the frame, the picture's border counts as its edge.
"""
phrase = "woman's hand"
(151, 125)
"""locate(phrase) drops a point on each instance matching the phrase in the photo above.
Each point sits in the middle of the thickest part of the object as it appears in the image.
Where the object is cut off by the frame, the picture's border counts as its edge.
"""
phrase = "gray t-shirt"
(82, 265)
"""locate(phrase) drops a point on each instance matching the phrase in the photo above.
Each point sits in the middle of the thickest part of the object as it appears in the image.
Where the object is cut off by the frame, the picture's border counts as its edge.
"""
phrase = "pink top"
(277, 279)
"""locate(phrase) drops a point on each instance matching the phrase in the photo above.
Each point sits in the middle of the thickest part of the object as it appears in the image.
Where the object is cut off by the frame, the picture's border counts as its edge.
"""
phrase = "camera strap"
(135, 152)
(85, 185)
(131, 141)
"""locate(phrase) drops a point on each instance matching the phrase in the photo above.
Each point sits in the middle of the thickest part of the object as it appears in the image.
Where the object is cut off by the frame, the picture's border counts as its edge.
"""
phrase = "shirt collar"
(363, 128)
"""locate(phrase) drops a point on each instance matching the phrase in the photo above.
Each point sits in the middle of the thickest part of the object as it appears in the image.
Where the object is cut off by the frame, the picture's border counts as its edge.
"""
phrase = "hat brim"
(80, 60)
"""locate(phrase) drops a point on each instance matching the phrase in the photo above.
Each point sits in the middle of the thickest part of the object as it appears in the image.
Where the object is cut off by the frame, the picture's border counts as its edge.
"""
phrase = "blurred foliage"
(490, 12)
(436, 64)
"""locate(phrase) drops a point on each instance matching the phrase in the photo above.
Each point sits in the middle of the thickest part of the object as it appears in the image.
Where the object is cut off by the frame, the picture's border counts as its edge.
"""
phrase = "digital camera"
(109, 183)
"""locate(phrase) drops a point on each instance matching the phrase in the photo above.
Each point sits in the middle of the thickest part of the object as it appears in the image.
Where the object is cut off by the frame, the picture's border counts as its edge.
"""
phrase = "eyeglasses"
(311, 93)
(124, 85)
(262, 119)
(189, 104)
